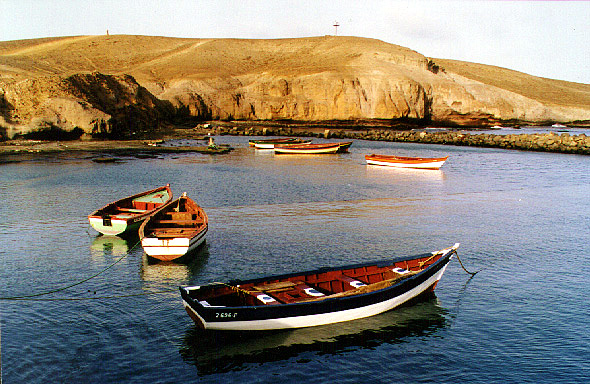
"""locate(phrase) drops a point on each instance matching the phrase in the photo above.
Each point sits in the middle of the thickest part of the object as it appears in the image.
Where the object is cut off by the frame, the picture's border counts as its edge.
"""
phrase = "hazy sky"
(542, 38)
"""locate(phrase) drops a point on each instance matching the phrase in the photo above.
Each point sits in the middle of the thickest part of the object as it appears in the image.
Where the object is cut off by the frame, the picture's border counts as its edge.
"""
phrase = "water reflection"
(218, 352)
(378, 171)
(111, 245)
(178, 271)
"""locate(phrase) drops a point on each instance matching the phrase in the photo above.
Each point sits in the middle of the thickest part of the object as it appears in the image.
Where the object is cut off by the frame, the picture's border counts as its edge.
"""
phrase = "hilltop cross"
(336, 25)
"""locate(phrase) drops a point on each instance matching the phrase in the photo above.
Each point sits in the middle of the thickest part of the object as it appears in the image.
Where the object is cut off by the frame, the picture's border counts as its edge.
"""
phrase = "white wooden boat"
(318, 297)
(174, 230)
(126, 215)
(272, 145)
(406, 162)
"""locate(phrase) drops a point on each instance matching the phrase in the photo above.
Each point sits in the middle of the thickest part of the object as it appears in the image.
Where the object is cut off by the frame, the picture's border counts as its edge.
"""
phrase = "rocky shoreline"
(543, 142)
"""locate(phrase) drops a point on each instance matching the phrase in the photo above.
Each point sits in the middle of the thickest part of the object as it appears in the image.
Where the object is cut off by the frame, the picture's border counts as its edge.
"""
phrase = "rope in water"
(462, 266)
(86, 298)
(34, 296)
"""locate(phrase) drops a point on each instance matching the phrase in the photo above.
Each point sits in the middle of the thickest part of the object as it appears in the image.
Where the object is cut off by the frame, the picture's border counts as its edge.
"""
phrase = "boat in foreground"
(319, 297)
(174, 230)
(406, 162)
(127, 214)
(313, 149)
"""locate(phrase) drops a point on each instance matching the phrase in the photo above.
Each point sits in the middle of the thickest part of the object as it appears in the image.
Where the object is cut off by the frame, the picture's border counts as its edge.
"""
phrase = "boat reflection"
(378, 171)
(177, 271)
(114, 246)
(217, 351)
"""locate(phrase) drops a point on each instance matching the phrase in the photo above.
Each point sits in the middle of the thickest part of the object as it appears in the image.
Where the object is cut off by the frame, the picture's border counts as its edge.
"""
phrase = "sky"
(543, 38)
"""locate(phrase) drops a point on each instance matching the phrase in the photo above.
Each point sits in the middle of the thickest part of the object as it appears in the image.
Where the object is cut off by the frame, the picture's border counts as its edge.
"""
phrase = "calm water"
(523, 218)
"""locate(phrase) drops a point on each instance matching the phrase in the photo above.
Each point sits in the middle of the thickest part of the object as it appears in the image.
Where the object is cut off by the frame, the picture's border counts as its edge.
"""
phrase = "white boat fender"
(357, 284)
(400, 271)
(265, 298)
(313, 292)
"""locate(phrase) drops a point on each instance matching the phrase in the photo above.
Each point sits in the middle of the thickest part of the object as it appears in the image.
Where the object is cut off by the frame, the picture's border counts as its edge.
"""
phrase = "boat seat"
(281, 285)
(350, 283)
(184, 222)
(133, 210)
(266, 299)
(299, 292)
(181, 215)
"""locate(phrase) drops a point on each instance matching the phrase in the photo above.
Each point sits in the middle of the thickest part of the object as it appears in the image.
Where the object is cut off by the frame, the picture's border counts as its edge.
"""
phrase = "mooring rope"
(23, 297)
(462, 266)
(88, 298)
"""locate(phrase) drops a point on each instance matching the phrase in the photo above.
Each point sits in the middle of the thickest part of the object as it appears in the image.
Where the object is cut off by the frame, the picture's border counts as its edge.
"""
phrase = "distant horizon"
(548, 39)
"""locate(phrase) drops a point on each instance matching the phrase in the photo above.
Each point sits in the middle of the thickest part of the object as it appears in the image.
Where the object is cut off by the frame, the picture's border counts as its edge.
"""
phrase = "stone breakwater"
(544, 142)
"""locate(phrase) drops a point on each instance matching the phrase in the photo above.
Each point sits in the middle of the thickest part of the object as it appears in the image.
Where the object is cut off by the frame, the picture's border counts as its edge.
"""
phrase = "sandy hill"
(85, 80)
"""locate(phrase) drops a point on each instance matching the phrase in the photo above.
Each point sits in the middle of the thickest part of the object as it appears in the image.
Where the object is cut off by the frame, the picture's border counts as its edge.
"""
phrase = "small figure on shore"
(212, 144)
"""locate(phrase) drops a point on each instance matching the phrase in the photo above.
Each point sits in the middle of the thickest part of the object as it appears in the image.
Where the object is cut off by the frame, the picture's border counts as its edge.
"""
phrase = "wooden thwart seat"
(132, 210)
(281, 285)
(172, 232)
(184, 222)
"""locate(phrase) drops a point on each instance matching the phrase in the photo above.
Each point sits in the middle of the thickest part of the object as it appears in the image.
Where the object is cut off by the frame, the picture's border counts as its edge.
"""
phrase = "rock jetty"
(543, 142)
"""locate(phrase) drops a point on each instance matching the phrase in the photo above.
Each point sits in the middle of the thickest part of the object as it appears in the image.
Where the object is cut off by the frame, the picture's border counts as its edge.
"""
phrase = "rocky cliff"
(131, 84)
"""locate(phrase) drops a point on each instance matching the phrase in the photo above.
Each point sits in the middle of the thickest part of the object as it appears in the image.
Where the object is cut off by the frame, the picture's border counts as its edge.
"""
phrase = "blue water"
(522, 218)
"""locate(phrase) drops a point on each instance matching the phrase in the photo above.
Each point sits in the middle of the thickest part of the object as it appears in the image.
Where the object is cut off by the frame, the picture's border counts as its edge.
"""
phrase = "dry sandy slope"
(545, 90)
(316, 78)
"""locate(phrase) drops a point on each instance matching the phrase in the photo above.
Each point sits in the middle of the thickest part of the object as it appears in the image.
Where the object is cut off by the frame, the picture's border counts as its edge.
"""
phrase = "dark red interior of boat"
(313, 286)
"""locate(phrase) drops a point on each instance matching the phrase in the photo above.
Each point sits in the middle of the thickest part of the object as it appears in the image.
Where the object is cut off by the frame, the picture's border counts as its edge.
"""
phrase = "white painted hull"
(173, 248)
(264, 146)
(118, 226)
(430, 165)
(323, 318)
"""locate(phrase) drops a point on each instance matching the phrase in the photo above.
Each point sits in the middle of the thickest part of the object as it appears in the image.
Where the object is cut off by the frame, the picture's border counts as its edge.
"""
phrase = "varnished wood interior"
(323, 285)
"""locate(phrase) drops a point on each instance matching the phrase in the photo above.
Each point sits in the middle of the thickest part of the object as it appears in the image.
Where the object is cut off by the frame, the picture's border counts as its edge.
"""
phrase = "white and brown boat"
(270, 143)
(319, 297)
(174, 230)
(406, 162)
(125, 215)
(261, 144)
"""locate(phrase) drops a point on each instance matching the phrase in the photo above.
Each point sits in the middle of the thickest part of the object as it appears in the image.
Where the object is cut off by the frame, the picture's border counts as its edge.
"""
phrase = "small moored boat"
(270, 143)
(127, 214)
(174, 230)
(406, 162)
(319, 297)
(313, 149)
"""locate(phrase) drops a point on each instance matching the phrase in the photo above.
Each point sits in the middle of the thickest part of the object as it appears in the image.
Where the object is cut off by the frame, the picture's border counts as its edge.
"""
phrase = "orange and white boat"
(406, 162)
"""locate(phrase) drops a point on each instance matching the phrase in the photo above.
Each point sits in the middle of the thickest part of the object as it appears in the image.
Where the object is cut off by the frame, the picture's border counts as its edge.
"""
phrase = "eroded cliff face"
(143, 82)
(313, 98)
(101, 105)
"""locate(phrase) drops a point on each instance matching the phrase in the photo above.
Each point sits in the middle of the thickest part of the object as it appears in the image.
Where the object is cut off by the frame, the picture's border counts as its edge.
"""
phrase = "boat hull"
(308, 149)
(171, 249)
(117, 227)
(272, 145)
(399, 162)
(314, 313)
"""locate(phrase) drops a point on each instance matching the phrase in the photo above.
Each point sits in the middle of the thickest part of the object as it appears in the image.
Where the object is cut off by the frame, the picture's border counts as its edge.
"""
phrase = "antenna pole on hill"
(336, 25)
